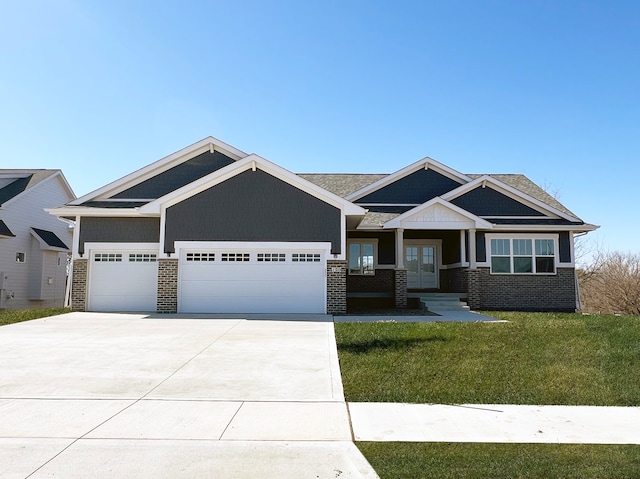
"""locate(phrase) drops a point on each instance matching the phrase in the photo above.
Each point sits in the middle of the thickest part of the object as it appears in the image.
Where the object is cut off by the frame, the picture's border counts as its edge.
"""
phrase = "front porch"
(392, 269)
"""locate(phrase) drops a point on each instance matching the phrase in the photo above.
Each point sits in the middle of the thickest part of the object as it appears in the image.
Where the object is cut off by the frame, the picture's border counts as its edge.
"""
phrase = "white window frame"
(361, 241)
(511, 255)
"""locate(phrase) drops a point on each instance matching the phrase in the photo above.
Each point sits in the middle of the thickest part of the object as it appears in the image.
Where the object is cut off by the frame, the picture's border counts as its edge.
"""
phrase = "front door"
(422, 266)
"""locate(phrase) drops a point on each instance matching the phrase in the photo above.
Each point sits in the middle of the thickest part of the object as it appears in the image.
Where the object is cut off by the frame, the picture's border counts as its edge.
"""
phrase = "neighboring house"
(213, 229)
(34, 246)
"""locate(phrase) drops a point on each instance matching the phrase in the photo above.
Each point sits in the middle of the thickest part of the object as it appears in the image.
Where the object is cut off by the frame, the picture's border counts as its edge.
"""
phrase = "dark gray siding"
(119, 230)
(565, 247)
(415, 188)
(253, 206)
(177, 177)
(489, 202)
(481, 247)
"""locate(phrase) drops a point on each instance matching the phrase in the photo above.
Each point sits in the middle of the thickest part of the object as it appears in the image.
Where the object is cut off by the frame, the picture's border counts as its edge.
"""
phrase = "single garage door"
(123, 281)
(252, 281)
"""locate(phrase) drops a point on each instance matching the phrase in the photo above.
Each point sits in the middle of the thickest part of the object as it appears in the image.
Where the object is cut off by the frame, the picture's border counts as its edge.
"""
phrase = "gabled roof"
(250, 162)
(117, 190)
(49, 240)
(487, 181)
(425, 163)
(14, 182)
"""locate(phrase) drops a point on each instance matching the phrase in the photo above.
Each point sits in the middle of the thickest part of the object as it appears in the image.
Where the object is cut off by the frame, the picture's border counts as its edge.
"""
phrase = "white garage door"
(123, 281)
(252, 281)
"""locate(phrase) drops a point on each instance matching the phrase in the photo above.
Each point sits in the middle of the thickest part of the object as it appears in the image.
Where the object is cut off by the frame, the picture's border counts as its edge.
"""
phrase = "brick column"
(473, 288)
(167, 286)
(79, 285)
(401, 288)
(336, 287)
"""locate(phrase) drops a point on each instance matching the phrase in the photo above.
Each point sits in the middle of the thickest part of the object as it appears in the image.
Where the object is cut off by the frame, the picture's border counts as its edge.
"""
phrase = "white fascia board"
(252, 161)
(69, 211)
(161, 165)
(512, 193)
(397, 222)
(426, 163)
(585, 228)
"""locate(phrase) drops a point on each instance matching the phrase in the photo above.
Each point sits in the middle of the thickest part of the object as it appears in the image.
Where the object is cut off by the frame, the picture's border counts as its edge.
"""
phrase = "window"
(361, 258)
(235, 257)
(20, 258)
(142, 258)
(522, 256)
(271, 257)
(107, 257)
(305, 257)
(201, 256)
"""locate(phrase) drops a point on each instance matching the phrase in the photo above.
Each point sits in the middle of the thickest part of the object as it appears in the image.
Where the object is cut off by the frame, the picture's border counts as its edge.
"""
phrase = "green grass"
(535, 358)
(502, 461)
(19, 315)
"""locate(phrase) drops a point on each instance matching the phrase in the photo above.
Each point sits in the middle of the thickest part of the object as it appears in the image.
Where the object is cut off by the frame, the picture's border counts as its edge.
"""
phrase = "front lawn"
(534, 358)
(397, 460)
(18, 315)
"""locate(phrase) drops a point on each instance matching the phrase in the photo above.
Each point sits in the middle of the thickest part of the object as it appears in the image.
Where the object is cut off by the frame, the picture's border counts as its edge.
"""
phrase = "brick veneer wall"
(336, 287)
(380, 282)
(453, 280)
(167, 286)
(522, 292)
(400, 288)
(79, 285)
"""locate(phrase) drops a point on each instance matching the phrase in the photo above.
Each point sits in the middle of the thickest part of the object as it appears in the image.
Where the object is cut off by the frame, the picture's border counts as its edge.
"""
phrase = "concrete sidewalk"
(500, 423)
(442, 316)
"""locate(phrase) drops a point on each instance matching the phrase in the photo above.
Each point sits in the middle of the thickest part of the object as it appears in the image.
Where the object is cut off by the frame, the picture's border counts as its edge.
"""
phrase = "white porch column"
(399, 248)
(472, 249)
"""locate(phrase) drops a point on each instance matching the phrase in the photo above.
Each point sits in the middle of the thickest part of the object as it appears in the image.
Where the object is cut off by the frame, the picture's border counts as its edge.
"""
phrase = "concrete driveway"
(125, 395)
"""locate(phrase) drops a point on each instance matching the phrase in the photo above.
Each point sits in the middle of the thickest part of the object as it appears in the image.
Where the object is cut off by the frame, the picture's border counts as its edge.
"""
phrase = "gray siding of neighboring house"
(118, 230)
(253, 206)
(177, 177)
(415, 188)
(489, 202)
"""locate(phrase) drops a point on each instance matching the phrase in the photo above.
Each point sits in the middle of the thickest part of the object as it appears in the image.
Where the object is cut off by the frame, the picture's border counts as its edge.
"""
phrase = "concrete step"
(434, 305)
(443, 302)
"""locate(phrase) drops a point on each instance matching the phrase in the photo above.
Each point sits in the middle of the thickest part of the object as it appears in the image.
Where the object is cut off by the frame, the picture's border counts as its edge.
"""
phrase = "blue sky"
(545, 88)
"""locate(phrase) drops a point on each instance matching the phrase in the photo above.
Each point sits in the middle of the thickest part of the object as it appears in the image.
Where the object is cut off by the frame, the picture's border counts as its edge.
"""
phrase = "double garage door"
(257, 280)
(251, 281)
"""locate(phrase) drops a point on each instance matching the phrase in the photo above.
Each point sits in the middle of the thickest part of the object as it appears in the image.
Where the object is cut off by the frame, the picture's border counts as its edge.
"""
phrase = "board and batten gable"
(415, 188)
(20, 214)
(95, 229)
(489, 202)
(177, 176)
(253, 206)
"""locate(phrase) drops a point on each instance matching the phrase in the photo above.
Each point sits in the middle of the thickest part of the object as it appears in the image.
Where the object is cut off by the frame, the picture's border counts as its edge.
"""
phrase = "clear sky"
(547, 88)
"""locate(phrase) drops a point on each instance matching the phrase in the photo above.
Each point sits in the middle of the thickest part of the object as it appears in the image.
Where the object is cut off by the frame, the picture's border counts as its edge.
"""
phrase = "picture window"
(522, 256)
